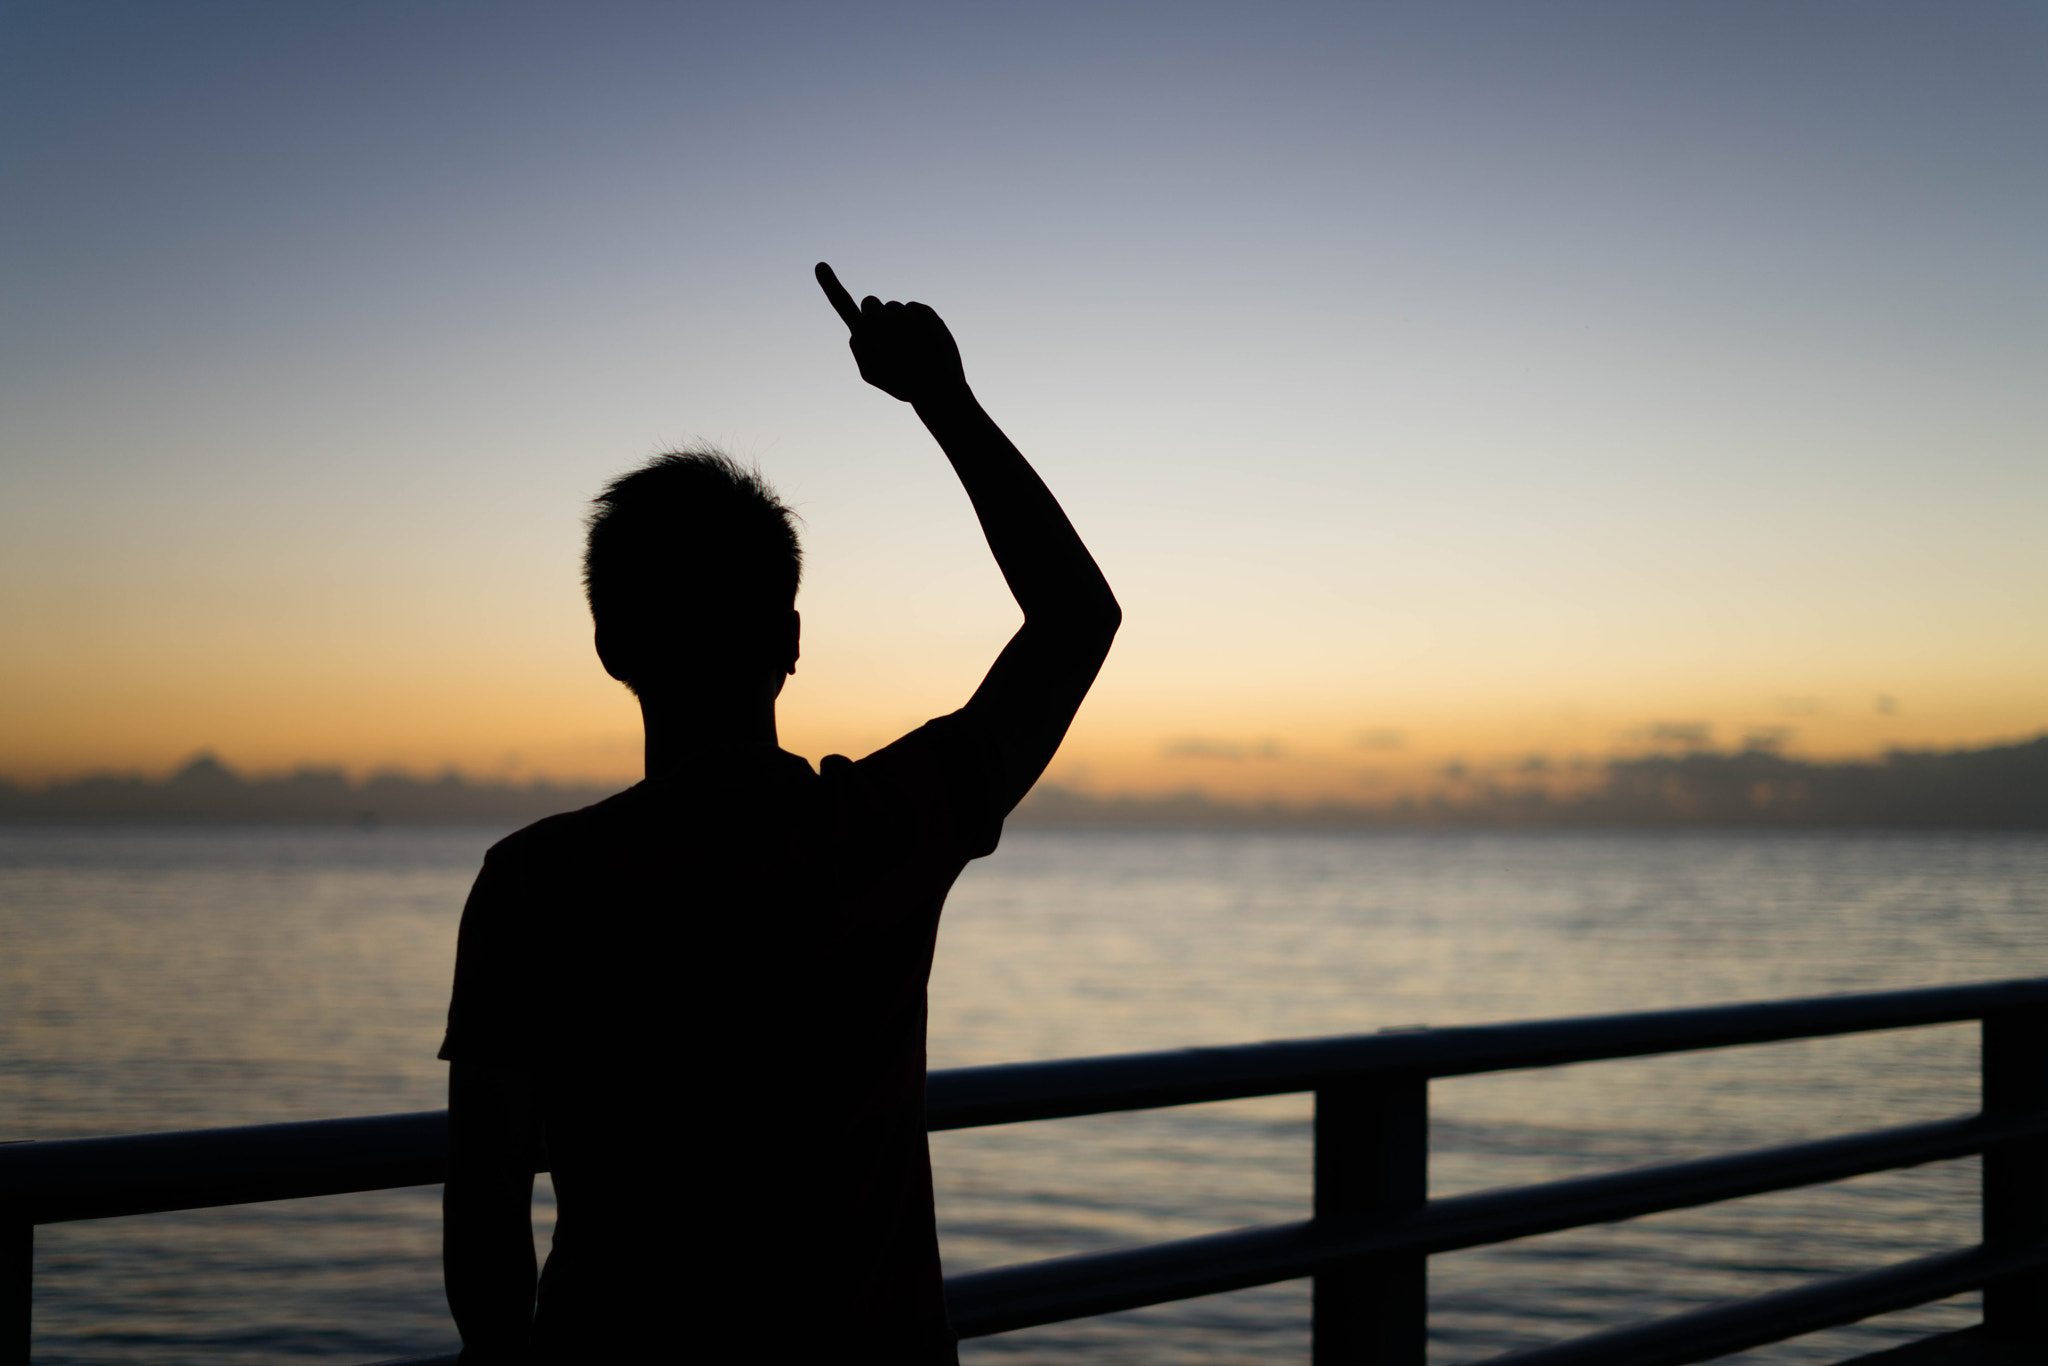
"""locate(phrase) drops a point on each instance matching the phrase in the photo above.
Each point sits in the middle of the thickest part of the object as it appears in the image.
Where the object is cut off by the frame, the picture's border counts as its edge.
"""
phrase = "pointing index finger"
(842, 302)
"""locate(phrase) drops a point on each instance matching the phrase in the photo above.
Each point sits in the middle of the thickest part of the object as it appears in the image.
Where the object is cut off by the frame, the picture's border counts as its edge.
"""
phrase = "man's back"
(718, 986)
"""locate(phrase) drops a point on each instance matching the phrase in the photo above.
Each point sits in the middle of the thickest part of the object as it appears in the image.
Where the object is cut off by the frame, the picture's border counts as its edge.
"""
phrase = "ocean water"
(177, 978)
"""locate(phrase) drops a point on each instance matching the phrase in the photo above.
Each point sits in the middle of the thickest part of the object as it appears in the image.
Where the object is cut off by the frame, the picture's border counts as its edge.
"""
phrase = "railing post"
(1372, 1157)
(17, 1286)
(2015, 1061)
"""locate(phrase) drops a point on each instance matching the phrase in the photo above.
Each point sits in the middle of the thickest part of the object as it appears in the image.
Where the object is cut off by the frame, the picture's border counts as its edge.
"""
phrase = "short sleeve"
(945, 776)
(491, 1013)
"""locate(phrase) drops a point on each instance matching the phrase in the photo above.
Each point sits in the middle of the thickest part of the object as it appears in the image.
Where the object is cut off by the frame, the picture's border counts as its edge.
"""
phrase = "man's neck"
(684, 732)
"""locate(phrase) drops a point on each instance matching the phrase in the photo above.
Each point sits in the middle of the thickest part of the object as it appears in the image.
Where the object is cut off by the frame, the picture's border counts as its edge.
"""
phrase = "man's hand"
(902, 349)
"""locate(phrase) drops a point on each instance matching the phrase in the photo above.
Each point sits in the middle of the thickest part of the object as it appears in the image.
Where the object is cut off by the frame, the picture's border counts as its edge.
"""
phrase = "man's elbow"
(1081, 623)
(1097, 623)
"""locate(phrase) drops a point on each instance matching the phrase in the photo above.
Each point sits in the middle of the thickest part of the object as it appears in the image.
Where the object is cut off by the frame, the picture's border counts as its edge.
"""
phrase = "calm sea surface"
(164, 979)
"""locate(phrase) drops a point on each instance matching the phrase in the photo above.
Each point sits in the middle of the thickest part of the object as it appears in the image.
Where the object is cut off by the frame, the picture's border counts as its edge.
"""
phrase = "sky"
(1479, 387)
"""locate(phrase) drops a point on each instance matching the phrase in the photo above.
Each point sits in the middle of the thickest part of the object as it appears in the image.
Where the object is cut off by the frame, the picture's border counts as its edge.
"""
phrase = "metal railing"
(1374, 1228)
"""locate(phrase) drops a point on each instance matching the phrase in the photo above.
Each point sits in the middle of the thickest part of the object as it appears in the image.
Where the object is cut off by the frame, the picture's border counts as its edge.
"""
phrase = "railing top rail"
(965, 1097)
(93, 1178)
(59, 1180)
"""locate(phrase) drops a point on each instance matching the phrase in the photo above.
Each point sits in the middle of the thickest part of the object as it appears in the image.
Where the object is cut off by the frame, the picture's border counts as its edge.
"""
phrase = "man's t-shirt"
(718, 985)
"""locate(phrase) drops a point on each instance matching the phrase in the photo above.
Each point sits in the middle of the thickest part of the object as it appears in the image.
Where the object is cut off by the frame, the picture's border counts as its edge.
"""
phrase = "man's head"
(692, 570)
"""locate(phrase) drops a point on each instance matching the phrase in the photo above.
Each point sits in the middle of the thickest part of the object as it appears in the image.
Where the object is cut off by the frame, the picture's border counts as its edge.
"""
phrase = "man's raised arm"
(1070, 616)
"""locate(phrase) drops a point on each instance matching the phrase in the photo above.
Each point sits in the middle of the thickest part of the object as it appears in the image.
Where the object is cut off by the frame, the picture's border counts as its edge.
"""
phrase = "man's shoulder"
(555, 836)
(941, 781)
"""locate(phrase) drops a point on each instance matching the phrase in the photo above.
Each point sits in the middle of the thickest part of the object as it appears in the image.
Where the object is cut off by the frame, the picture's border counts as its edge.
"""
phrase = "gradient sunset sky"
(1437, 383)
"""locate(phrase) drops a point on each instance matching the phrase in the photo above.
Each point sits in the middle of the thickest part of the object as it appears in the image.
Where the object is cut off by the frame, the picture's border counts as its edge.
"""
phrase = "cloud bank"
(1998, 787)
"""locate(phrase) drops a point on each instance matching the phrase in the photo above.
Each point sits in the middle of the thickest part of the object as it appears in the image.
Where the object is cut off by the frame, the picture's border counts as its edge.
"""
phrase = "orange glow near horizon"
(1361, 671)
(524, 714)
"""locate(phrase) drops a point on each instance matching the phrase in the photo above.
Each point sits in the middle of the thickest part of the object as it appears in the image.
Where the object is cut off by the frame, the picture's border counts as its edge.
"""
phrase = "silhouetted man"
(708, 993)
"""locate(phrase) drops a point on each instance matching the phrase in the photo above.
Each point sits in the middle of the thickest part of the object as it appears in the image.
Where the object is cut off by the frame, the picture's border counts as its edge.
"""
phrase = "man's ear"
(796, 632)
(608, 654)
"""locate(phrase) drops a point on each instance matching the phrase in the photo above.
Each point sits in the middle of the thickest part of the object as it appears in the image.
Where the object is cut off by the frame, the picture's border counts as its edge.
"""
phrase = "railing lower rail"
(1373, 1229)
